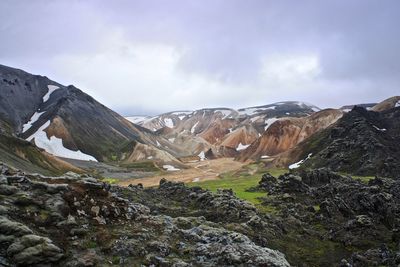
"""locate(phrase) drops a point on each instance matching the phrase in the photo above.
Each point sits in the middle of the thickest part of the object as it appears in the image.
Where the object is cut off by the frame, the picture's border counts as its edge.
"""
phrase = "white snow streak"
(136, 119)
(51, 88)
(194, 127)
(170, 168)
(202, 156)
(382, 130)
(168, 122)
(297, 164)
(241, 147)
(269, 122)
(54, 145)
(31, 121)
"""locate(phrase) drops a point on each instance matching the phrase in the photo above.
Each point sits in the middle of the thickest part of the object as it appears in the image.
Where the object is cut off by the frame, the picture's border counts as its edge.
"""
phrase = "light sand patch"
(205, 170)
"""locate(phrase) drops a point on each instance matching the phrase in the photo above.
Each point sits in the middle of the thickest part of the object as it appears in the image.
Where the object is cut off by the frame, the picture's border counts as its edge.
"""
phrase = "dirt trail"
(199, 171)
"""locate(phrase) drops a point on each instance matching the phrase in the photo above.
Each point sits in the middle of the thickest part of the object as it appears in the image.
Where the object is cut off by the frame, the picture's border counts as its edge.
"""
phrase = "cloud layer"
(156, 56)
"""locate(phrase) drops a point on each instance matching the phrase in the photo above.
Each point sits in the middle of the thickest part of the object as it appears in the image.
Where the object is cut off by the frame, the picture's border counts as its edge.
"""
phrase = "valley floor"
(198, 172)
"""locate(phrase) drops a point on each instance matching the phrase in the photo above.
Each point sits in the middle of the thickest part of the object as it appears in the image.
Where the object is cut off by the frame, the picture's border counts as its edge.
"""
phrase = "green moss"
(44, 215)
(145, 166)
(115, 259)
(110, 180)
(90, 244)
(364, 179)
(317, 207)
(267, 209)
(240, 182)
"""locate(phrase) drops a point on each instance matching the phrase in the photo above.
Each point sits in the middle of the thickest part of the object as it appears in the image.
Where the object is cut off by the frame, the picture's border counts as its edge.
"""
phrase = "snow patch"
(136, 119)
(51, 88)
(171, 140)
(31, 121)
(182, 112)
(202, 156)
(194, 127)
(397, 104)
(150, 157)
(170, 168)
(241, 147)
(297, 164)
(269, 122)
(158, 143)
(265, 157)
(168, 122)
(55, 146)
(382, 130)
(195, 180)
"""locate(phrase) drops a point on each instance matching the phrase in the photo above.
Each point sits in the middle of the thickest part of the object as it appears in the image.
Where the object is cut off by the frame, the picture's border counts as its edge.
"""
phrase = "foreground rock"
(78, 221)
(338, 217)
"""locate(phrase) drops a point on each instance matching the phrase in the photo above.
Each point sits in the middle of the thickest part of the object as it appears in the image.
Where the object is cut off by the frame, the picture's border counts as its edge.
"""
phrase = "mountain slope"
(386, 104)
(362, 142)
(64, 120)
(225, 131)
(285, 133)
(20, 154)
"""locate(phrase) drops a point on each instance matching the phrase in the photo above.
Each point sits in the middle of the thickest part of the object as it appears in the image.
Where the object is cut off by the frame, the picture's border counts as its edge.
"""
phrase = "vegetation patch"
(110, 180)
(240, 181)
(144, 166)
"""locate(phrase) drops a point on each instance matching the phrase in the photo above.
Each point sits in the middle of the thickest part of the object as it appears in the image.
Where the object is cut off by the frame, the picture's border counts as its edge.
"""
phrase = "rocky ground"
(331, 216)
(314, 218)
(78, 221)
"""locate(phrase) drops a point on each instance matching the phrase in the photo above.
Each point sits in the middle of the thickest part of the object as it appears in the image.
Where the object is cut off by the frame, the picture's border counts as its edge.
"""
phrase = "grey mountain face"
(79, 120)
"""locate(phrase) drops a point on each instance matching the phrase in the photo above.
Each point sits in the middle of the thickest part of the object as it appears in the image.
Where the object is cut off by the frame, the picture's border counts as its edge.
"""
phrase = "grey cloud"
(220, 44)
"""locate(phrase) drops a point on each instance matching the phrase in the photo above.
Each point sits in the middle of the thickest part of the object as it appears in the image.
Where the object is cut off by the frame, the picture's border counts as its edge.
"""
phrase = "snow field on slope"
(31, 121)
(54, 145)
(51, 88)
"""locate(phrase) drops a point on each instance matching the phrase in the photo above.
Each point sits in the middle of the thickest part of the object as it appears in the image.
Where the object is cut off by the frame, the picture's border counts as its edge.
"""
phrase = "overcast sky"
(148, 57)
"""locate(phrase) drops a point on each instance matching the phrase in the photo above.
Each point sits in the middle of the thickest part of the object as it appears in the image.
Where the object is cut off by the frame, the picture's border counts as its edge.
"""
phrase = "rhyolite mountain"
(222, 131)
(69, 123)
(362, 142)
(285, 133)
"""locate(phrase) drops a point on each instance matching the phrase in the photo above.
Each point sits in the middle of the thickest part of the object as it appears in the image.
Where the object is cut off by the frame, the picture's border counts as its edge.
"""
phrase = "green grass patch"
(90, 244)
(110, 180)
(240, 181)
(364, 179)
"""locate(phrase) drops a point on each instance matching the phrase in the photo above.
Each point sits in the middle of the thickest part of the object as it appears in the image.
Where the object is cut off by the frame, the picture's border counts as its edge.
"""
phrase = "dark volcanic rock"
(354, 215)
(362, 143)
(69, 221)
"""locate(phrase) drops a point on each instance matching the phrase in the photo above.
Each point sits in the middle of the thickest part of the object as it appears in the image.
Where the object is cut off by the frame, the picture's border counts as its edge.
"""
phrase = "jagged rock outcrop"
(359, 219)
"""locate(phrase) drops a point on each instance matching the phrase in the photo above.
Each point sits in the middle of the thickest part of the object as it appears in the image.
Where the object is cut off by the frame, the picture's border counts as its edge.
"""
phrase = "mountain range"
(39, 116)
